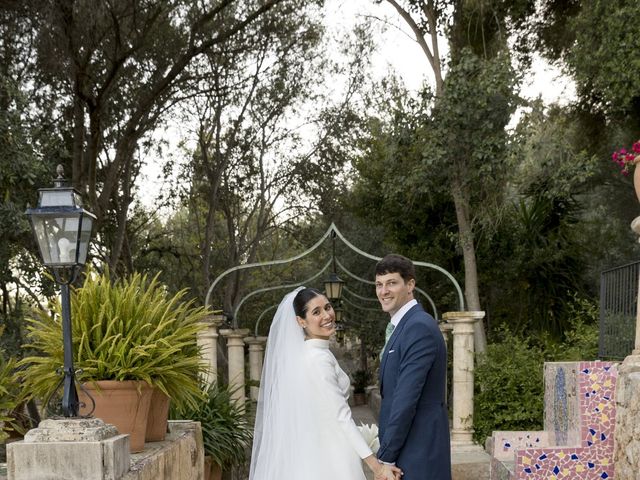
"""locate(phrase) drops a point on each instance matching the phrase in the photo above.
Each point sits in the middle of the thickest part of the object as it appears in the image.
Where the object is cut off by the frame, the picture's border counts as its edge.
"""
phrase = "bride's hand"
(387, 472)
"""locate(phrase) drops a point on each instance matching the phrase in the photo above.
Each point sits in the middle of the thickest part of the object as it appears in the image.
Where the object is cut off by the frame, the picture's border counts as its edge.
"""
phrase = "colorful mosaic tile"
(506, 443)
(593, 459)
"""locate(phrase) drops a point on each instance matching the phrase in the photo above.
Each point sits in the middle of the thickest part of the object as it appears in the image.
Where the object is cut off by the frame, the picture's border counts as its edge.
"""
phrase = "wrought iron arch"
(332, 229)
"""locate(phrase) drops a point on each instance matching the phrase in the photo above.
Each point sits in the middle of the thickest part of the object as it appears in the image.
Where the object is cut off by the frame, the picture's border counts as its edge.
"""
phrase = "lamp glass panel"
(84, 238)
(57, 198)
(57, 238)
(333, 287)
(338, 288)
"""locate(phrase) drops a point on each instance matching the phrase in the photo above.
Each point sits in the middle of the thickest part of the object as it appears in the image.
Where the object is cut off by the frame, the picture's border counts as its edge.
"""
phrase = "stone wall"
(627, 447)
(179, 457)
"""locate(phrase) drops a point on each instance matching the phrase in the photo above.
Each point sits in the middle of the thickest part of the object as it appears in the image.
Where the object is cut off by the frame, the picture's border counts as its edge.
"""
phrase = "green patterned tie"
(387, 335)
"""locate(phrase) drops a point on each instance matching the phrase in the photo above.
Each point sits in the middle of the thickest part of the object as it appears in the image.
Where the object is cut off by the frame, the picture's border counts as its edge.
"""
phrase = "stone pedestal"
(70, 449)
(445, 329)
(235, 351)
(626, 454)
(627, 445)
(463, 366)
(256, 356)
(208, 343)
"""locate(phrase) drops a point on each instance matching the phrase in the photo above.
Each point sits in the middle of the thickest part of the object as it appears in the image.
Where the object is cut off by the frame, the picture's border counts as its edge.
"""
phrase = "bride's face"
(320, 319)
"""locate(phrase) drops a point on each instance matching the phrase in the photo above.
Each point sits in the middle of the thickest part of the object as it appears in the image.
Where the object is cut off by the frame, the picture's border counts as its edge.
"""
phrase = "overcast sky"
(397, 50)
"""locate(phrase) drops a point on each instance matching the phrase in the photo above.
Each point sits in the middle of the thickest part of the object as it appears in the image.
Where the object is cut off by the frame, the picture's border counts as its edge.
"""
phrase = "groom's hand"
(387, 472)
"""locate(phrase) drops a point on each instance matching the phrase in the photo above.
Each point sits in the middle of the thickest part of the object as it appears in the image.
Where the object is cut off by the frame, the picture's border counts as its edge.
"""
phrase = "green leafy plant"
(509, 387)
(226, 428)
(10, 396)
(130, 329)
(509, 377)
(361, 379)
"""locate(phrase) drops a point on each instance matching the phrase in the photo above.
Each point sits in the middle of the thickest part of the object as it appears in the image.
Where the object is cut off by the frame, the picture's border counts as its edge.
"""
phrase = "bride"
(304, 428)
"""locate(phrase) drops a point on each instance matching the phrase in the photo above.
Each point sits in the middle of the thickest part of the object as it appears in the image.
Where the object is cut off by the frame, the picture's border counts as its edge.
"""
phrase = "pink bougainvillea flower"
(626, 158)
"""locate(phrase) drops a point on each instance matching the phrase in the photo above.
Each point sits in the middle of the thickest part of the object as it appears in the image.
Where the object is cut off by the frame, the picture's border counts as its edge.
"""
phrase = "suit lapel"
(394, 336)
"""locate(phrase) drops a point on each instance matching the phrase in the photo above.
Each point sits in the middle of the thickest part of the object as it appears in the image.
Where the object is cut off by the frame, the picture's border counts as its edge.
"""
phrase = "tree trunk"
(465, 232)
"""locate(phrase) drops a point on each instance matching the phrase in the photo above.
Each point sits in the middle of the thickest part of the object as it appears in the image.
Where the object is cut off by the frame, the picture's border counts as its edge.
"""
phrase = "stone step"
(470, 465)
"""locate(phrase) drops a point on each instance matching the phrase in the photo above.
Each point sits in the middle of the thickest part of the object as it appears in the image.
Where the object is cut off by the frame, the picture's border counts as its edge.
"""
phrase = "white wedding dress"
(337, 433)
(304, 429)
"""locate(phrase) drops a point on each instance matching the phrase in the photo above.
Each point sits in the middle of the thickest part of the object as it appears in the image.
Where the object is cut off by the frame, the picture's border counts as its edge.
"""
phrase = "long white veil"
(282, 445)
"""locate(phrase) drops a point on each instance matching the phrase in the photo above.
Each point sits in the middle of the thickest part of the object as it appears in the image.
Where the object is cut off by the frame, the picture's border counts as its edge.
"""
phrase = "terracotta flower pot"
(122, 404)
(636, 177)
(158, 416)
(212, 470)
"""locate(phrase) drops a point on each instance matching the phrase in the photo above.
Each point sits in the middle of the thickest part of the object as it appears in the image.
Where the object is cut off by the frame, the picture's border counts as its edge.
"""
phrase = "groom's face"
(393, 292)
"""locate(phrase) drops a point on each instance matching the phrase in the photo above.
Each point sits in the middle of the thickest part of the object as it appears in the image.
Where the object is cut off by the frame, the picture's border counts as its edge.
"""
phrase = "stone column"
(626, 454)
(463, 365)
(235, 352)
(256, 355)
(208, 343)
(445, 329)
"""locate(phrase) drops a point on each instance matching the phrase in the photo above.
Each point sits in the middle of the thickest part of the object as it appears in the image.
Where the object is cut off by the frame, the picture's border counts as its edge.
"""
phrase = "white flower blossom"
(370, 434)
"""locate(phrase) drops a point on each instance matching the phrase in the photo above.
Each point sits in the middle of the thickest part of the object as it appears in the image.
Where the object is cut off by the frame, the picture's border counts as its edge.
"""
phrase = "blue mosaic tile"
(590, 465)
(542, 457)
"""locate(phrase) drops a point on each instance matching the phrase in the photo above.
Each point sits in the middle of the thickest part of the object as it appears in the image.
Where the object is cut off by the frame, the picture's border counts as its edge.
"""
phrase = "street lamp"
(333, 285)
(338, 312)
(63, 230)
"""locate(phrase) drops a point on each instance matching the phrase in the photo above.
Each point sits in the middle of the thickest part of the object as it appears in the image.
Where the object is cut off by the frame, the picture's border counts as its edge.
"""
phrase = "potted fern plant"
(10, 396)
(226, 429)
(130, 337)
(361, 379)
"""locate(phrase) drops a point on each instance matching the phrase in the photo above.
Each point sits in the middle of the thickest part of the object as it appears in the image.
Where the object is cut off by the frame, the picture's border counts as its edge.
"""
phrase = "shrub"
(226, 428)
(509, 378)
(361, 379)
(509, 387)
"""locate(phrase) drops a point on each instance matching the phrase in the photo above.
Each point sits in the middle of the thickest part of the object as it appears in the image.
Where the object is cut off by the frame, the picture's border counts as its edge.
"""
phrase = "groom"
(413, 423)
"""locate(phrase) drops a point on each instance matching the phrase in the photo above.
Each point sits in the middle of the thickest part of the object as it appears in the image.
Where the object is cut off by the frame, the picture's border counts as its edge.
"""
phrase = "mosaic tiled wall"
(562, 403)
(506, 443)
(593, 459)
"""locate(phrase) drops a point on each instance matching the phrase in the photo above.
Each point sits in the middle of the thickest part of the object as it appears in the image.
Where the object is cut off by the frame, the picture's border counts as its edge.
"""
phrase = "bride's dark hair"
(302, 298)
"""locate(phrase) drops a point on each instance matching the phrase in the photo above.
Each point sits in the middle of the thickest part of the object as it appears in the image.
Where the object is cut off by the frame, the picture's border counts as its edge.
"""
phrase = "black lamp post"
(63, 230)
(333, 285)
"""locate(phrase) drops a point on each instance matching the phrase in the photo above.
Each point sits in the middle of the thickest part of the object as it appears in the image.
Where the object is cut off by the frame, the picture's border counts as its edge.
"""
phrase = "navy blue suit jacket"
(414, 423)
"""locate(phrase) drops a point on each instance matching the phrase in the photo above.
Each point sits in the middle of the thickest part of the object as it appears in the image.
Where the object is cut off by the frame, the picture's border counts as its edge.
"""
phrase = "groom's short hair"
(394, 263)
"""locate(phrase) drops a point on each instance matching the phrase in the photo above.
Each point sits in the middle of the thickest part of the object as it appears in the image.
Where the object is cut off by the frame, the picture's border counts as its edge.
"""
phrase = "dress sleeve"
(324, 378)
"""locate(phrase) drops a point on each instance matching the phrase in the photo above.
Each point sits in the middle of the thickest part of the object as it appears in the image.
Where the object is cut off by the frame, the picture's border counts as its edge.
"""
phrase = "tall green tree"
(117, 68)
(469, 29)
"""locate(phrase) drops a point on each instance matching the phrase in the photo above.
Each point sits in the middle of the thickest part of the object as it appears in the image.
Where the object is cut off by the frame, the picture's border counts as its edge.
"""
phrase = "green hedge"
(509, 385)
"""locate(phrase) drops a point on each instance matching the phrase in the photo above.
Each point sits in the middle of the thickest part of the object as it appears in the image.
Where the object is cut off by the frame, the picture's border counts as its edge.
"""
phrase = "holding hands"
(387, 472)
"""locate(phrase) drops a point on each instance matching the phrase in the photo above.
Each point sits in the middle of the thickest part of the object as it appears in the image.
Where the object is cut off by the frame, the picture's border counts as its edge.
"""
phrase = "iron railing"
(618, 307)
